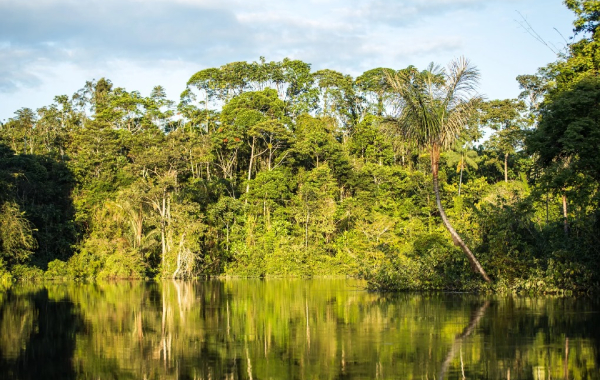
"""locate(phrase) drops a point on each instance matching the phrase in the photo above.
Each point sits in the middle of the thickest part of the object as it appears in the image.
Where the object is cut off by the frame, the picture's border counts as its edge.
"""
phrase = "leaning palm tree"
(435, 106)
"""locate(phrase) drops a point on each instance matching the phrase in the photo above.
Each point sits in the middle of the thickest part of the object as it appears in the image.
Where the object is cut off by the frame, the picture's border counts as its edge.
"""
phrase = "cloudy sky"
(51, 47)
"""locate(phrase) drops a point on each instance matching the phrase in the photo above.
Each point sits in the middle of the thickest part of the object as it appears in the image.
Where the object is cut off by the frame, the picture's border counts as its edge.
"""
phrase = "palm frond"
(435, 103)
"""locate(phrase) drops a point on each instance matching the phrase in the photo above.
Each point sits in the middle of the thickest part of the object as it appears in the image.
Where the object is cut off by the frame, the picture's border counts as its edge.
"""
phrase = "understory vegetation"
(272, 169)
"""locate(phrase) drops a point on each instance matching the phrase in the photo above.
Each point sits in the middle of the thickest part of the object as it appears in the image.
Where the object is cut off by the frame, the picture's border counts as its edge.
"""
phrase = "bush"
(57, 269)
(26, 273)
(6, 278)
(121, 265)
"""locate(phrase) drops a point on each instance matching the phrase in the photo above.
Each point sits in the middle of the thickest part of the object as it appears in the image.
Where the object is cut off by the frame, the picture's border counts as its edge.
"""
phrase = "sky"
(52, 47)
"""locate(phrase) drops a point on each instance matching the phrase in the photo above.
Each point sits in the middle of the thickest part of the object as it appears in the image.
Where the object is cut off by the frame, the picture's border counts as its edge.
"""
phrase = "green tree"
(20, 132)
(16, 234)
(461, 158)
(436, 105)
(582, 58)
(566, 142)
(339, 99)
(533, 87)
(376, 88)
(369, 143)
(314, 205)
(569, 129)
(506, 119)
(256, 118)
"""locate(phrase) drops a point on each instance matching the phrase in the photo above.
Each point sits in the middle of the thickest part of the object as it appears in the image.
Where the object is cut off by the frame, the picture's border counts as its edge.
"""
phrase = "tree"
(583, 56)
(568, 133)
(436, 105)
(339, 99)
(534, 88)
(19, 131)
(16, 234)
(314, 204)
(462, 157)
(588, 15)
(506, 119)
(375, 86)
(256, 118)
(370, 143)
(567, 138)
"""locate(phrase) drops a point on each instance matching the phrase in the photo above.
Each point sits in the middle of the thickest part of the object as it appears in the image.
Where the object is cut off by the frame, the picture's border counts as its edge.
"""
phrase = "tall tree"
(567, 138)
(436, 105)
(461, 157)
(374, 84)
(507, 120)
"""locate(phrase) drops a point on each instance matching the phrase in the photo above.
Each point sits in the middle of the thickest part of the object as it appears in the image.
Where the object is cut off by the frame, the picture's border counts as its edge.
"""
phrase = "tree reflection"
(43, 344)
(289, 329)
(475, 318)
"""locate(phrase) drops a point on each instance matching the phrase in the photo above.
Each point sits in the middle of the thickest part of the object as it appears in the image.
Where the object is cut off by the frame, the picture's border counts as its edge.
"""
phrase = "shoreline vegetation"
(272, 169)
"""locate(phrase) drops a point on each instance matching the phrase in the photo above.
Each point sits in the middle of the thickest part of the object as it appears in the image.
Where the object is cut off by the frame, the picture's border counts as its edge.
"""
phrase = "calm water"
(290, 329)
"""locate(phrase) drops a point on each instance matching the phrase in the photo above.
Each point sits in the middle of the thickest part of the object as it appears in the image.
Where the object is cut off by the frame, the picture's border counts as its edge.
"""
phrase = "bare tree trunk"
(163, 240)
(140, 226)
(250, 166)
(461, 173)
(306, 230)
(475, 265)
(547, 206)
(565, 214)
(227, 238)
(179, 256)
(505, 167)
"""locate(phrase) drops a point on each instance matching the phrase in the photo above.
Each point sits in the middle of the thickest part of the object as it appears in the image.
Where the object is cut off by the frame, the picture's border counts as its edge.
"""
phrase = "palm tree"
(435, 107)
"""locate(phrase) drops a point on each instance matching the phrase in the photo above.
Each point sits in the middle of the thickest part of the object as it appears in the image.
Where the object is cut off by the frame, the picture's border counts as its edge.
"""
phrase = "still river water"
(290, 329)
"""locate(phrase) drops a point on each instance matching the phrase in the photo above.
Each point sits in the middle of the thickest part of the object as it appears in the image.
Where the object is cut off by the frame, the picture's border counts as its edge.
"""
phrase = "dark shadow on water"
(48, 350)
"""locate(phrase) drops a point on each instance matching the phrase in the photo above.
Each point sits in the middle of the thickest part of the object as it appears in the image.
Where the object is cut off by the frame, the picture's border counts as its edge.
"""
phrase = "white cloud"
(39, 38)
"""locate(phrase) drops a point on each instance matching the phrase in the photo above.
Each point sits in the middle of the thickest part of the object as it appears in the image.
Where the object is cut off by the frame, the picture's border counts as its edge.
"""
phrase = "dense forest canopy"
(271, 169)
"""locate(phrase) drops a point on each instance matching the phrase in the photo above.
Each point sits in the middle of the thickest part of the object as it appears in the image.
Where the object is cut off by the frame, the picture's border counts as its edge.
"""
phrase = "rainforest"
(405, 177)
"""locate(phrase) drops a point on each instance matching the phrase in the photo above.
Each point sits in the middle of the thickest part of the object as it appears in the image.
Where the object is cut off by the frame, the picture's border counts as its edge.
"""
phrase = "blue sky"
(51, 47)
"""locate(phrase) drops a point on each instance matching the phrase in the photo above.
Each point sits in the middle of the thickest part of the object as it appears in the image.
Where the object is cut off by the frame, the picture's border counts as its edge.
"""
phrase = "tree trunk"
(547, 207)
(163, 214)
(250, 166)
(179, 256)
(461, 173)
(227, 237)
(140, 225)
(306, 230)
(475, 265)
(505, 167)
(565, 214)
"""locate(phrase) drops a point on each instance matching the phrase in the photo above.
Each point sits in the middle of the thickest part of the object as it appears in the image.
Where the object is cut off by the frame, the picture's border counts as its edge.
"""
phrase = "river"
(290, 329)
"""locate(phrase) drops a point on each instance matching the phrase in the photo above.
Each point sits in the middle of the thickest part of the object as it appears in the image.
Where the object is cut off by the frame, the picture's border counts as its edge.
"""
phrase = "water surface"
(290, 329)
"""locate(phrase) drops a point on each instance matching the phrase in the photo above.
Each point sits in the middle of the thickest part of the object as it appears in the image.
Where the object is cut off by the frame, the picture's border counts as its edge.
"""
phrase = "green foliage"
(568, 134)
(123, 265)
(57, 270)
(428, 262)
(268, 169)
(16, 235)
(369, 143)
(6, 277)
(26, 273)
